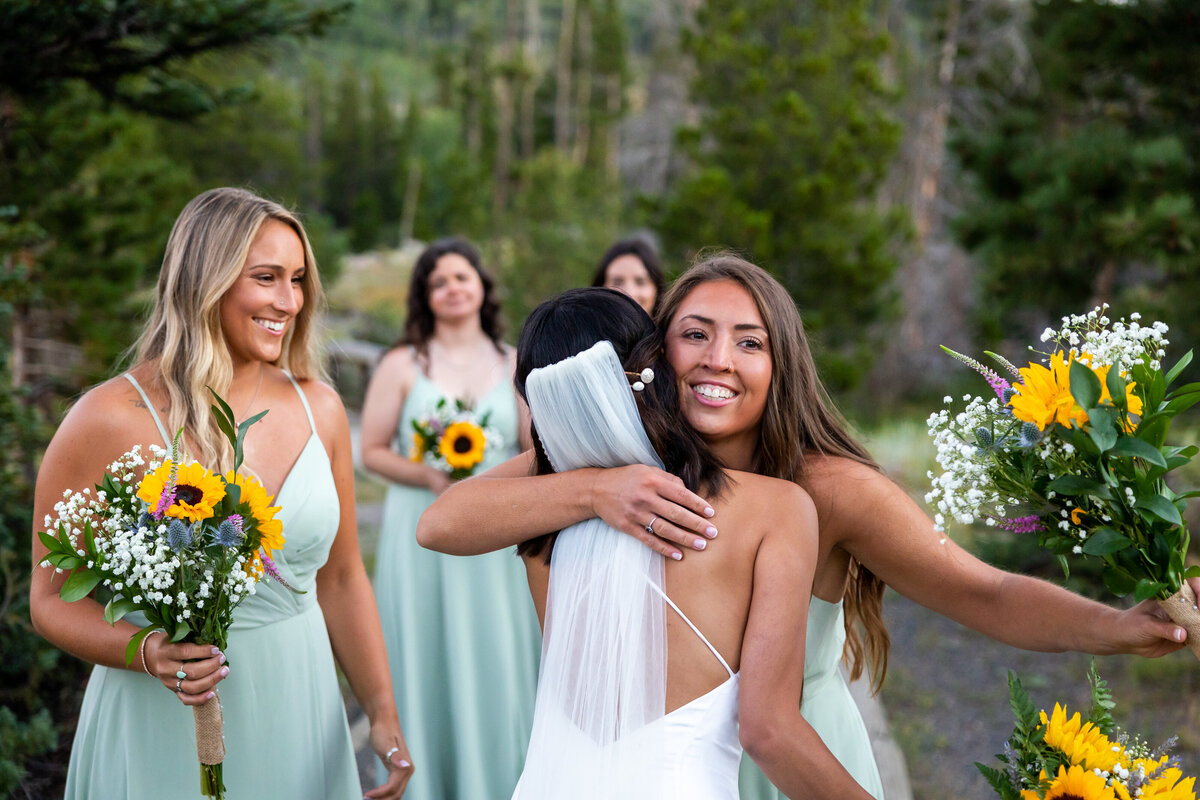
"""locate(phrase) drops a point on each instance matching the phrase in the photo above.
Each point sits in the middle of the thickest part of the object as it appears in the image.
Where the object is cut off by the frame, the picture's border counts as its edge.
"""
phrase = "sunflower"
(1078, 783)
(270, 530)
(1168, 786)
(196, 491)
(462, 445)
(418, 448)
(1081, 742)
(1044, 395)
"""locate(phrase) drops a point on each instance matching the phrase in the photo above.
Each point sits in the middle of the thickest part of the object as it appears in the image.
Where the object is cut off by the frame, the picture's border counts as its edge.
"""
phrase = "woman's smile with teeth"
(270, 325)
(712, 392)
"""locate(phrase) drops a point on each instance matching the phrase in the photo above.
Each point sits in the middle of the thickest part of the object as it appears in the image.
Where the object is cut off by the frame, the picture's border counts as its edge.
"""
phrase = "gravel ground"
(947, 699)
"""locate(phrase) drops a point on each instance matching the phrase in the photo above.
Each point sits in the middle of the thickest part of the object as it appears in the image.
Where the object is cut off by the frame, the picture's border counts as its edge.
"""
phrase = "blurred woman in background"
(461, 633)
(632, 266)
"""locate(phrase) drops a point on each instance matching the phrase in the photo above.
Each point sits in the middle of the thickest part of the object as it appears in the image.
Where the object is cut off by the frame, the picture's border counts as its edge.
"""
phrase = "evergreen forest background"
(916, 172)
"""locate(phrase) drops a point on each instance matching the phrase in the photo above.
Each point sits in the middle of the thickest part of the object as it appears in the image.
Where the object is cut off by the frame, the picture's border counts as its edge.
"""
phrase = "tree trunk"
(583, 99)
(533, 79)
(931, 148)
(412, 188)
(562, 87)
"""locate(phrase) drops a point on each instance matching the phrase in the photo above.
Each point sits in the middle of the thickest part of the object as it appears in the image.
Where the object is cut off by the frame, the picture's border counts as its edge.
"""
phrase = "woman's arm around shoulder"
(508, 505)
(390, 385)
(771, 681)
(105, 423)
(348, 602)
(869, 516)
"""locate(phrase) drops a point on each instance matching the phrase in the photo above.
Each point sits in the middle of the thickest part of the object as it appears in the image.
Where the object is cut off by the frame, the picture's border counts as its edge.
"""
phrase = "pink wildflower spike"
(1029, 524)
(166, 501)
(993, 378)
(273, 571)
(1004, 362)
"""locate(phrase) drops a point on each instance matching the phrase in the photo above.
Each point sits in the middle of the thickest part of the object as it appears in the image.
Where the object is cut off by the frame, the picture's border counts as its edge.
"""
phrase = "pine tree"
(795, 134)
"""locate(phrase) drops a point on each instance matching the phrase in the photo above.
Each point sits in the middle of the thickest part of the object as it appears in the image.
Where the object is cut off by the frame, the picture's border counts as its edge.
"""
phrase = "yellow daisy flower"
(270, 529)
(1082, 743)
(1078, 783)
(418, 448)
(462, 445)
(1044, 395)
(197, 491)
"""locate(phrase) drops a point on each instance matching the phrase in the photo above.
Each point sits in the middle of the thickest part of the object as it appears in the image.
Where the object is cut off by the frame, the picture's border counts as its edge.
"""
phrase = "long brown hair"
(799, 419)
(183, 337)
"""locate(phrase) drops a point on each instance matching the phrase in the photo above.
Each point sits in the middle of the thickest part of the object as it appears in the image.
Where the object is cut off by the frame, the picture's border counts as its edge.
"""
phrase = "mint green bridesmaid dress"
(285, 724)
(462, 634)
(828, 707)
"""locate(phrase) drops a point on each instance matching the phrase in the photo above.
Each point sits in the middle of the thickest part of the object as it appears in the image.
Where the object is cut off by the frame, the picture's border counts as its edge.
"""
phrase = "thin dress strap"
(695, 630)
(312, 425)
(157, 422)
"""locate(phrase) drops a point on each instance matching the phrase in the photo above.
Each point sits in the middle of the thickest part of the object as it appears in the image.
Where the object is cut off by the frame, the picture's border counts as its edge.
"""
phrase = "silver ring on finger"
(650, 526)
(387, 757)
(178, 685)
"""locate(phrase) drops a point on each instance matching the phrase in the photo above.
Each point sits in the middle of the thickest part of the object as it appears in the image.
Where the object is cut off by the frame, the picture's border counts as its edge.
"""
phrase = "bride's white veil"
(602, 682)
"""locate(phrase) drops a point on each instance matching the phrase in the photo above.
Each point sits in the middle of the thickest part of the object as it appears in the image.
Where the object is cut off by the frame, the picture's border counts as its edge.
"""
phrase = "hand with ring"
(388, 743)
(626, 497)
(191, 671)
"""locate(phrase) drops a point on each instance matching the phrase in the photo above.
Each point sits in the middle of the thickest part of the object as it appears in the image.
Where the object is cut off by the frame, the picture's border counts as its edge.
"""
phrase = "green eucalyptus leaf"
(1192, 572)
(1146, 589)
(1105, 541)
(1139, 448)
(1118, 582)
(181, 632)
(1161, 507)
(1085, 386)
(1179, 404)
(131, 647)
(1102, 427)
(1179, 367)
(1153, 429)
(117, 608)
(79, 585)
(1116, 386)
(1075, 485)
(50, 542)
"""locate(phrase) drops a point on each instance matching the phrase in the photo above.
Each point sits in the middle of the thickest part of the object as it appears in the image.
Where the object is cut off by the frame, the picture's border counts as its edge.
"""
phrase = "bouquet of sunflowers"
(1056, 757)
(178, 544)
(452, 439)
(1073, 450)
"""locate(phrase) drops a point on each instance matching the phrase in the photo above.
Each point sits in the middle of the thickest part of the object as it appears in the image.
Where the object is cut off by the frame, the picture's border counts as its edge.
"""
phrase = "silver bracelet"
(142, 651)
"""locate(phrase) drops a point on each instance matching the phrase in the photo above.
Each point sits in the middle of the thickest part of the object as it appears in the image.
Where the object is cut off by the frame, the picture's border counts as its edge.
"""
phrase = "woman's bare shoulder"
(771, 497)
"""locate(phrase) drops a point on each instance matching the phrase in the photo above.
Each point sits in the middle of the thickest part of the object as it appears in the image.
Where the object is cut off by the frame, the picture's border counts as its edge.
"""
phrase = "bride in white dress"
(648, 667)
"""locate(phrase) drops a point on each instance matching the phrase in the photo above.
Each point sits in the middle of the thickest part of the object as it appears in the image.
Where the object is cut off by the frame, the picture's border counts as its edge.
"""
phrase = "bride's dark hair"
(576, 320)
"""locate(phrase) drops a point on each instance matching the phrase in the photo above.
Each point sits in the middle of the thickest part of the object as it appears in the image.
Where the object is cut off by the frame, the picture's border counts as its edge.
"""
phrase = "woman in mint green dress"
(234, 311)
(461, 633)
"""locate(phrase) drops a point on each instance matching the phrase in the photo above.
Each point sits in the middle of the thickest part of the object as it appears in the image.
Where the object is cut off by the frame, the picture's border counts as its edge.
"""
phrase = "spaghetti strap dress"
(461, 633)
(828, 706)
(285, 723)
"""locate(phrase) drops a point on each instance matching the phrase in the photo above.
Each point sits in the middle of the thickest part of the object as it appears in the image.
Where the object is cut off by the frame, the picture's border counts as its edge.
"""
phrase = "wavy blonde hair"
(799, 419)
(183, 341)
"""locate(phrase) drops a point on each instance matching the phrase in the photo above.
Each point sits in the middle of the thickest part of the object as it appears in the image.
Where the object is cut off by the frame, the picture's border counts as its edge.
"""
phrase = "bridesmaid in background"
(632, 266)
(461, 633)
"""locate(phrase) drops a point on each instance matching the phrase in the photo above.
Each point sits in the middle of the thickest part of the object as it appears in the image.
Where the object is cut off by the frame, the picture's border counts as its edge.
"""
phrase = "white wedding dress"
(600, 730)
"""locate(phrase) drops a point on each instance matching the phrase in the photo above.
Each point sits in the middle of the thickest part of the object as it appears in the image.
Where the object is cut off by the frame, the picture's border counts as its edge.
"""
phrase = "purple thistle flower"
(993, 378)
(1029, 524)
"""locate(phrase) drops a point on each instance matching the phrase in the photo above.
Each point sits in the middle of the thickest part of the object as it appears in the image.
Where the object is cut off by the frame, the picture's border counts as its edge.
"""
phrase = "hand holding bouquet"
(178, 543)
(1074, 451)
(1056, 757)
(452, 439)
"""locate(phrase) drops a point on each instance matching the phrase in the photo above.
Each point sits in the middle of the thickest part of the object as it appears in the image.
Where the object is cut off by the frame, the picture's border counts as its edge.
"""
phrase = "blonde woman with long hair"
(870, 531)
(235, 309)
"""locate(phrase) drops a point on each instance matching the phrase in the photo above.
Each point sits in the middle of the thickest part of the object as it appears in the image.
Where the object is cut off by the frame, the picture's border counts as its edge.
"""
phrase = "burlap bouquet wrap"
(210, 731)
(1181, 608)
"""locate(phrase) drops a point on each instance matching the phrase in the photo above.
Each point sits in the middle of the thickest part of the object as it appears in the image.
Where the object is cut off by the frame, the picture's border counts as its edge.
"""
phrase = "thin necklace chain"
(261, 372)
